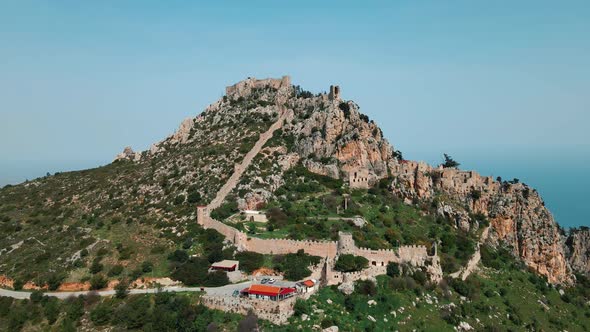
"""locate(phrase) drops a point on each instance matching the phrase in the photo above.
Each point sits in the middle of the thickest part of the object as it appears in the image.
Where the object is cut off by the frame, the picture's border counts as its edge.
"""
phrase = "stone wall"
(243, 88)
(378, 259)
(273, 311)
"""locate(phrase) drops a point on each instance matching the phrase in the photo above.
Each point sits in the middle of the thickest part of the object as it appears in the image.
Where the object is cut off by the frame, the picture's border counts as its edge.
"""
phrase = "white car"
(271, 281)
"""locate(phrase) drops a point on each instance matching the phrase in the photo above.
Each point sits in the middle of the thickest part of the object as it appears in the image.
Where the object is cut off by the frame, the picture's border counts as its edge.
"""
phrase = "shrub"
(36, 296)
(98, 281)
(366, 287)
(250, 261)
(393, 269)
(101, 314)
(115, 270)
(96, 266)
(147, 267)
(122, 289)
(179, 256)
(351, 263)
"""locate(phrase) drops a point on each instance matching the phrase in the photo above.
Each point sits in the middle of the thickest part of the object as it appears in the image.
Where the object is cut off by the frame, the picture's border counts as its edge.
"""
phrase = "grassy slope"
(133, 208)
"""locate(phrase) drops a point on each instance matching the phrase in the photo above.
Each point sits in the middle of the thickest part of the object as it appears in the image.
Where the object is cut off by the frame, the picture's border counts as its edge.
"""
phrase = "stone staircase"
(234, 179)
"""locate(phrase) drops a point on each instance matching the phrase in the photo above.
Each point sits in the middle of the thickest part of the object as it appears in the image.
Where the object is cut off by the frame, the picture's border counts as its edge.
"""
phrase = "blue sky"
(489, 82)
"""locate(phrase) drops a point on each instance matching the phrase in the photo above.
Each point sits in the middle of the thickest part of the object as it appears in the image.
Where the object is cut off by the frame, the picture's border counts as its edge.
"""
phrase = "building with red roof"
(268, 292)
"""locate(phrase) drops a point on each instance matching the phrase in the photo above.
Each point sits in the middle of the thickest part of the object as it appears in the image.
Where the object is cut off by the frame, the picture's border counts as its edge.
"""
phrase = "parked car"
(236, 293)
(264, 280)
(271, 281)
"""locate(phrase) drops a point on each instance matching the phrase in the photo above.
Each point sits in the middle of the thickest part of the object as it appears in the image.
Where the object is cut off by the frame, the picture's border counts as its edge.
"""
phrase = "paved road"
(223, 290)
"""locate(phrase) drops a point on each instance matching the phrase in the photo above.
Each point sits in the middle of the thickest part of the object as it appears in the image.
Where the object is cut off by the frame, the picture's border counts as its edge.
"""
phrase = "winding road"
(215, 291)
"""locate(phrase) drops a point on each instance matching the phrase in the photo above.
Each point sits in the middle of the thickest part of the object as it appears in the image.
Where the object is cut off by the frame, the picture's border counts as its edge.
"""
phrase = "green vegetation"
(156, 312)
(449, 162)
(351, 263)
(505, 299)
(295, 266)
(250, 261)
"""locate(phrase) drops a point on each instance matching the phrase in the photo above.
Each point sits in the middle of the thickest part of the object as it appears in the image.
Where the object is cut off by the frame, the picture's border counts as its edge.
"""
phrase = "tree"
(194, 197)
(122, 289)
(250, 261)
(96, 266)
(249, 323)
(178, 256)
(393, 269)
(147, 267)
(450, 162)
(98, 281)
(101, 314)
(351, 263)
(36, 296)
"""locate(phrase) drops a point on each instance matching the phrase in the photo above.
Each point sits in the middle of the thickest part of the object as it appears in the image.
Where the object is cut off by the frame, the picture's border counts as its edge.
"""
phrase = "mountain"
(316, 164)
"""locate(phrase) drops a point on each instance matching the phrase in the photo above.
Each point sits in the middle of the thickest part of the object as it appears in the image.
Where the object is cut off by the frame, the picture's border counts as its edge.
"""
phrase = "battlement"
(244, 88)
(334, 92)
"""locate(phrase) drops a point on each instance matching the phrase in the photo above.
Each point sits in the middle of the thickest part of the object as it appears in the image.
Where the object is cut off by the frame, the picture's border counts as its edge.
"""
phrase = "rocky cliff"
(331, 137)
(578, 249)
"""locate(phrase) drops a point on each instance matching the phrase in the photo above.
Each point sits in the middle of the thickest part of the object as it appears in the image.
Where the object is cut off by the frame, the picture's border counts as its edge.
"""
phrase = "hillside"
(319, 167)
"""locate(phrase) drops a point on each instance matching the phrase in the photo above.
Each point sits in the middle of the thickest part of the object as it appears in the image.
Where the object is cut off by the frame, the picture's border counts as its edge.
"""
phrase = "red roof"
(269, 290)
(309, 283)
(285, 291)
(264, 290)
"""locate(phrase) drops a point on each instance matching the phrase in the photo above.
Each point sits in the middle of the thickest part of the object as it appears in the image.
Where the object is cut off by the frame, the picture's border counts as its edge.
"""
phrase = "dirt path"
(474, 260)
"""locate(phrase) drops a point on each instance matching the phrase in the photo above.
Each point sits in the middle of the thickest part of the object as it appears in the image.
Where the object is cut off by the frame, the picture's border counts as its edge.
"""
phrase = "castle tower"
(202, 214)
(334, 92)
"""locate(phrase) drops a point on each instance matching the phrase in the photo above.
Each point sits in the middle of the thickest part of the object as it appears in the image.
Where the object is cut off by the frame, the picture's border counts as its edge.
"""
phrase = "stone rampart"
(277, 312)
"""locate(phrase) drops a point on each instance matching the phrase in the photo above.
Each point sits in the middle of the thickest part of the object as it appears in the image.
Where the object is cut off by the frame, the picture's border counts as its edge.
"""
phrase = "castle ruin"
(358, 178)
(245, 87)
(334, 92)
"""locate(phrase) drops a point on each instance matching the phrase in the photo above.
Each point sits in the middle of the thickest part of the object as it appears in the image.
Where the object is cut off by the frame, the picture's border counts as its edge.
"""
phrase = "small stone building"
(359, 179)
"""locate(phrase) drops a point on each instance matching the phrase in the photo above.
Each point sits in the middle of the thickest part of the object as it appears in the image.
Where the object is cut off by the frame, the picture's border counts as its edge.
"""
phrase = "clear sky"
(503, 86)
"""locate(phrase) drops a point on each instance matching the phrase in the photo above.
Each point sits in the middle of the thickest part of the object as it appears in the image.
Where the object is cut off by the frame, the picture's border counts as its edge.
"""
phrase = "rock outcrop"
(578, 250)
(128, 154)
(517, 214)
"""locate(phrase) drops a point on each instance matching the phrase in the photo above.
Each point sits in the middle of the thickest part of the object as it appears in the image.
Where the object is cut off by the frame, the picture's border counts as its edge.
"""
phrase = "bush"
(98, 281)
(295, 266)
(122, 289)
(178, 256)
(194, 197)
(36, 296)
(393, 269)
(351, 263)
(101, 314)
(301, 307)
(96, 266)
(115, 270)
(366, 287)
(147, 267)
(249, 261)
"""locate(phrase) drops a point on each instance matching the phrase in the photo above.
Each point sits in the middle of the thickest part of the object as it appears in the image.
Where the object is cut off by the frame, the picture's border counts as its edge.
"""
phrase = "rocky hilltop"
(151, 195)
(331, 137)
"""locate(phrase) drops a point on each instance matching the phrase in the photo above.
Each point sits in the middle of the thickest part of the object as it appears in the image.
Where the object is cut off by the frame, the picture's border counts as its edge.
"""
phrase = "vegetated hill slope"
(147, 200)
(129, 206)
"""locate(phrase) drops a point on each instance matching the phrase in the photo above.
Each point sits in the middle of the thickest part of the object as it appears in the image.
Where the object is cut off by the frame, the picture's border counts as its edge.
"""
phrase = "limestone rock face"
(183, 132)
(254, 200)
(128, 154)
(341, 137)
(517, 214)
(578, 250)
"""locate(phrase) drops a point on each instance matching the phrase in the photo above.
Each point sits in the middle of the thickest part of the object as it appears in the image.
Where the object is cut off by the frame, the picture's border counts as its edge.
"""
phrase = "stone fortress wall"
(415, 255)
(244, 87)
